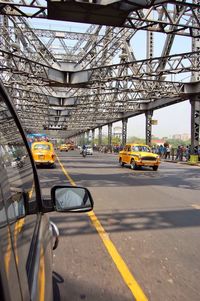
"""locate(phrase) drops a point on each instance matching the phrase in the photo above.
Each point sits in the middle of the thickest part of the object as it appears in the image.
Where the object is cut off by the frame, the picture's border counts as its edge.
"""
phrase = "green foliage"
(136, 140)
(115, 140)
(176, 142)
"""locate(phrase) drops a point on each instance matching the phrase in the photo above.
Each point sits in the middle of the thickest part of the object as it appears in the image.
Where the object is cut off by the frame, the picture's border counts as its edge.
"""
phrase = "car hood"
(145, 154)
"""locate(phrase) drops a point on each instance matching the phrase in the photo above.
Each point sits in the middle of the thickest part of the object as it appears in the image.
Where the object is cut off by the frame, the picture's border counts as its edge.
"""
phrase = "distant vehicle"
(63, 148)
(89, 149)
(70, 146)
(137, 155)
(17, 162)
(43, 153)
(84, 152)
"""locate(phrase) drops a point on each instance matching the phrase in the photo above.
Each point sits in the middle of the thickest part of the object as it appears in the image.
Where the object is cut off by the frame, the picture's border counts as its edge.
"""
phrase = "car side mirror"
(71, 198)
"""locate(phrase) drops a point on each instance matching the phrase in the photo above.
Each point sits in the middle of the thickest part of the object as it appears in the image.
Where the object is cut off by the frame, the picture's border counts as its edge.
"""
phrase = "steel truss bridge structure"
(104, 71)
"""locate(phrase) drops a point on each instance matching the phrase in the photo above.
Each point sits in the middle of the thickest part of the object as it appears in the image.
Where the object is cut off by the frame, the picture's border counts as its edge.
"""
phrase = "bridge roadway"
(152, 219)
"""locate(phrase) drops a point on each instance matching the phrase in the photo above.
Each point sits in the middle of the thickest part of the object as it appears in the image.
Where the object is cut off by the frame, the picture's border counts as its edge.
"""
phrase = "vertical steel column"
(148, 115)
(195, 123)
(100, 136)
(196, 41)
(83, 138)
(124, 130)
(110, 137)
(88, 137)
(93, 131)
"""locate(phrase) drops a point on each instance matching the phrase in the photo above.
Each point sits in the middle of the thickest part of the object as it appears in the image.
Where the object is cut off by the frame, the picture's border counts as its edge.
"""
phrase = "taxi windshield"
(140, 148)
(41, 147)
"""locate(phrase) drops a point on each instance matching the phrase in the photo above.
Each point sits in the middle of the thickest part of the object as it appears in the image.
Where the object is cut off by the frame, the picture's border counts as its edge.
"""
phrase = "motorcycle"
(84, 153)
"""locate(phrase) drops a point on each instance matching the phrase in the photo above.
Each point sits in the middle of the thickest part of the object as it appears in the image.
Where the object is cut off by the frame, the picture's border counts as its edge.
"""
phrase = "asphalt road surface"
(143, 241)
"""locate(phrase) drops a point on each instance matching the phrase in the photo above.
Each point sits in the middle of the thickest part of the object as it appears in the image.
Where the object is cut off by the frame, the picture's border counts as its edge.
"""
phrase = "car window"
(17, 189)
(129, 148)
(140, 148)
(41, 147)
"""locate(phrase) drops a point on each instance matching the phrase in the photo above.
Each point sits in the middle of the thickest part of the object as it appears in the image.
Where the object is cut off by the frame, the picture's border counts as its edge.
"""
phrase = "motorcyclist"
(84, 150)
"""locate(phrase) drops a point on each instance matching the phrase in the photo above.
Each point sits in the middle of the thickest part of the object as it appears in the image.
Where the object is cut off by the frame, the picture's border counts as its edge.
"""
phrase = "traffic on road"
(139, 243)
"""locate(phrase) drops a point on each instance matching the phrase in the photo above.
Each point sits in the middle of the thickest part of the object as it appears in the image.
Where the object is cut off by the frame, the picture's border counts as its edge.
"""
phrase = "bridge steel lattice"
(76, 81)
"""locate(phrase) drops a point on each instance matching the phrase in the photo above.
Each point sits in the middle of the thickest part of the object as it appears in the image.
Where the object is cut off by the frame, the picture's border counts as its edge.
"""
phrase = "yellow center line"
(116, 257)
(65, 172)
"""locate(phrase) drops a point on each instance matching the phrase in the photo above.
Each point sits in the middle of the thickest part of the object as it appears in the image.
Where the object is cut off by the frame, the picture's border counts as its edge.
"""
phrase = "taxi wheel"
(133, 165)
(121, 163)
(155, 168)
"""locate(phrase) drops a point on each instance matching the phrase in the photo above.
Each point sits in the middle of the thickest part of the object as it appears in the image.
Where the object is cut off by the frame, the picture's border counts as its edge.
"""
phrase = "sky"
(174, 119)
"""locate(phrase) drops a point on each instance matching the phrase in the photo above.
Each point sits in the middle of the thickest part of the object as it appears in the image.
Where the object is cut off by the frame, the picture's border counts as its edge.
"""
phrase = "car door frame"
(36, 244)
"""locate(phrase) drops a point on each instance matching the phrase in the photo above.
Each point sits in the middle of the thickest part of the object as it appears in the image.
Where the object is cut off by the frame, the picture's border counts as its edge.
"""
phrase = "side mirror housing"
(71, 199)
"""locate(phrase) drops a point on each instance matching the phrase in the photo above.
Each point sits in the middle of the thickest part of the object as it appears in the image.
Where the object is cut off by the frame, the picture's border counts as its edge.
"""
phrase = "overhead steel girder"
(29, 42)
(163, 17)
(174, 64)
(106, 12)
(69, 35)
(184, 62)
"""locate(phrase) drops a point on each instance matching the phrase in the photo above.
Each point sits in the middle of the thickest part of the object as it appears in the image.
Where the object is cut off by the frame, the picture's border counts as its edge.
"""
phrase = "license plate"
(41, 157)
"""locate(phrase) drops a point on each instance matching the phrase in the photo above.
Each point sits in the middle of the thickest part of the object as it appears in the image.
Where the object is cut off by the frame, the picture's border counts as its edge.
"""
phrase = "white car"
(89, 150)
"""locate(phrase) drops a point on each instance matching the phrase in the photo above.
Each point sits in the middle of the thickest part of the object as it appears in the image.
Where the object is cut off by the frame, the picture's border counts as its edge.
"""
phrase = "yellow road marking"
(65, 172)
(116, 257)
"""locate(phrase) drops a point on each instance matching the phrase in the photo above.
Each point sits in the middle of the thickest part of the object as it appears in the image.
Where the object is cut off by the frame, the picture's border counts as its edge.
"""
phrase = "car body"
(63, 148)
(43, 153)
(70, 146)
(89, 149)
(137, 155)
(27, 237)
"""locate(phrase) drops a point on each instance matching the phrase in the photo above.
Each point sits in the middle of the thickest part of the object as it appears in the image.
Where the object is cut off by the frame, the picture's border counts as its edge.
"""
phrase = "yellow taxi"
(63, 148)
(70, 146)
(137, 155)
(43, 153)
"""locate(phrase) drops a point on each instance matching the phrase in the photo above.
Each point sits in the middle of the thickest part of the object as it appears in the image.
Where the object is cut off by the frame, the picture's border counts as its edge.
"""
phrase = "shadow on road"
(81, 289)
(71, 224)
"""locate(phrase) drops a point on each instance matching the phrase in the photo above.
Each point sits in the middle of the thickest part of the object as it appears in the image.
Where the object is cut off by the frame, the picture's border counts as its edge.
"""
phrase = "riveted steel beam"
(124, 130)
(195, 123)
(148, 115)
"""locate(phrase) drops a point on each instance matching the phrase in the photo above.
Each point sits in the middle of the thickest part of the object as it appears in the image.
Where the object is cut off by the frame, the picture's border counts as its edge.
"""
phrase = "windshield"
(140, 148)
(41, 147)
